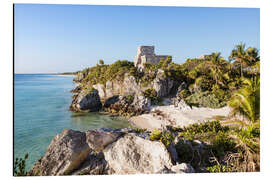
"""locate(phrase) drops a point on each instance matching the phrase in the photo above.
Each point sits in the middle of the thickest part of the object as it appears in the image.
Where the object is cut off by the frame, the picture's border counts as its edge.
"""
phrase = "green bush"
(155, 135)
(218, 169)
(194, 130)
(205, 99)
(20, 166)
(152, 95)
(222, 143)
(183, 94)
(103, 73)
(165, 137)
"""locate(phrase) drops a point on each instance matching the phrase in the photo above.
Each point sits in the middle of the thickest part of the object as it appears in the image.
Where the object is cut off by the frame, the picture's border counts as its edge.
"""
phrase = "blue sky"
(62, 38)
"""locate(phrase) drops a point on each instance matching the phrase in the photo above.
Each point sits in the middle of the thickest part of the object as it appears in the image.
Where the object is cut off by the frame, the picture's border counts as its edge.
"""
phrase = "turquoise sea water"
(41, 103)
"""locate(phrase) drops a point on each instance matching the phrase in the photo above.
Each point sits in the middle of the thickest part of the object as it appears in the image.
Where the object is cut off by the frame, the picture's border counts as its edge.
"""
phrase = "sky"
(68, 38)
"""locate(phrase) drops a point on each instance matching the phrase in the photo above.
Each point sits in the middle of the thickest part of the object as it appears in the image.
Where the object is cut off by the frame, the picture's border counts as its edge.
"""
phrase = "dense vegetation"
(212, 147)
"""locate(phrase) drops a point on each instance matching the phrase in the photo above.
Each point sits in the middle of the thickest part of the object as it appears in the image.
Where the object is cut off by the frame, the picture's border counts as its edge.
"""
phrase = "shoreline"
(64, 75)
(161, 116)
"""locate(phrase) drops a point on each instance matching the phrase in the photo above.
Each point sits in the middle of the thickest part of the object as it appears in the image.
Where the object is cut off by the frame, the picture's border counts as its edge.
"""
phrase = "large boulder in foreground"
(95, 164)
(86, 101)
(65, 153)
(132, 154)
(98, 139)
(107, 151)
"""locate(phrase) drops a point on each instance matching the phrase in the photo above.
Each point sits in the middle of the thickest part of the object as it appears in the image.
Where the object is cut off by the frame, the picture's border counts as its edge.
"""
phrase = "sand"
(68, 75)
(161, 116)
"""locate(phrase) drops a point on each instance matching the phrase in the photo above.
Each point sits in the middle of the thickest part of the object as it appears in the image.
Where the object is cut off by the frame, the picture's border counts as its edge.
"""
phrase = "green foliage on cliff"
(225, 149)
(152, 95)
(103, 73)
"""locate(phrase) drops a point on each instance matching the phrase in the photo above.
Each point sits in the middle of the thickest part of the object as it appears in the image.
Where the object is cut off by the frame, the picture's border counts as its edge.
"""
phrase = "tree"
(238, 54)
(244, 57)
(246, 100)
(216, 64)
(101, 62)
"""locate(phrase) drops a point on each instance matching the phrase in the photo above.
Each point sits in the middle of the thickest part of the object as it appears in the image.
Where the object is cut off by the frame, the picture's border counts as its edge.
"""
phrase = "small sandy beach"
(68, 75)
(161, 116)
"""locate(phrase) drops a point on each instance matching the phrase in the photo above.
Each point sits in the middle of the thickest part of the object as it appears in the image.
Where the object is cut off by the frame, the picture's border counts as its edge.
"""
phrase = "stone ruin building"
(147, 54)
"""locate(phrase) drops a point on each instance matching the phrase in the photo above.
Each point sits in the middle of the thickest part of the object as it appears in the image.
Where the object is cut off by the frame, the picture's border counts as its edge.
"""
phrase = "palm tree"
(244, 57)
(238, 54)
(252, 56)
(247, 99)
(216, 64)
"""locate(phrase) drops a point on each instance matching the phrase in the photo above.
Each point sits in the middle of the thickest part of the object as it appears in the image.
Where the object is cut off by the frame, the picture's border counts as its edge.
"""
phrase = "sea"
(41, 111)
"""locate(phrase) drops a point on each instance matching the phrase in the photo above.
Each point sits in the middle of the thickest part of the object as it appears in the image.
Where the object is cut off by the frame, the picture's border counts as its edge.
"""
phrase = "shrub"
(183, 94)
(222, 143)
(20, 166)
(205, 99)
(218, 169)
(101, 62)
(152, 95)
(165, 137)
(155, 135)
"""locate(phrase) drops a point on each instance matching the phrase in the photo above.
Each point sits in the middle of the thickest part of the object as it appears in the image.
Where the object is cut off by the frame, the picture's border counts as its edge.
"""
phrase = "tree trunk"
(241, 66)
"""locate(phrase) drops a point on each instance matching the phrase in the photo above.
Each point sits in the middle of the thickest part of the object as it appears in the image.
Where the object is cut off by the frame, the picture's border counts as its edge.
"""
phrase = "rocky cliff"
(128, 85)
(108, 151)
(124, 78)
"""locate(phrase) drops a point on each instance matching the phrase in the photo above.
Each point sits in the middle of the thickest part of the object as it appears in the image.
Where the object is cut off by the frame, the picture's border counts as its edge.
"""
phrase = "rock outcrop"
(183, 168)
(134, 155)
(162, 85)
(95, 164)
(126, 84)
(80, 76)
(66, 153)
(141, 102)
(86, 101)
(125, 87)
(107, 151)
(129, 86)
(100, 138)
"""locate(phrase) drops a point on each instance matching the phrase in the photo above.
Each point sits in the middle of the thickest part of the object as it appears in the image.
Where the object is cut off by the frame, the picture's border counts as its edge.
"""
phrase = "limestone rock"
(161, 84)
(93, 165)
(130, 85)
(173, 153)
(79, 77)
(109, 89)
(98, 139)
(182, 86)
(101, 90)
(183, 168)
(182, 105)
(66, 153)
(77, 89)
(111, 100)
(165, 170)
(89, 101)
(131, 154)
(141, 102)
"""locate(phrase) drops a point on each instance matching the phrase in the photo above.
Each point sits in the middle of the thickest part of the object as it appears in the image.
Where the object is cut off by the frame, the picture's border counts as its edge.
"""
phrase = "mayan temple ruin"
(147, 54)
